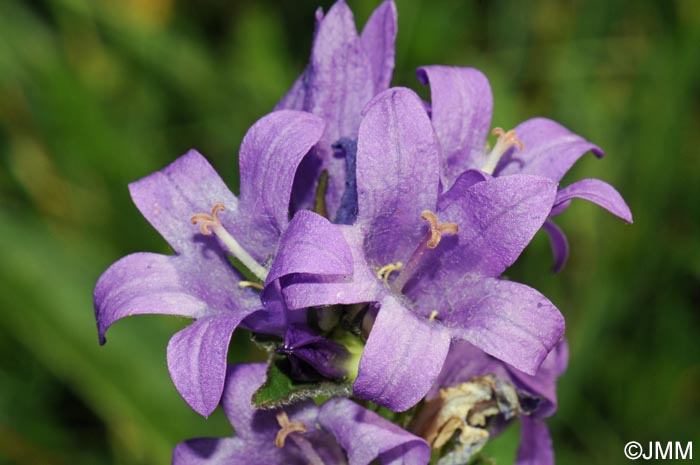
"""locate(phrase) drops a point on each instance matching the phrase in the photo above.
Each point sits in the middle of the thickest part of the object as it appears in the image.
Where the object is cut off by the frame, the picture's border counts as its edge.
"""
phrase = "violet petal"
(397, 174)
(255, 429)
(402, 358)
(379, 41)
(497, 218)
(303, 290)
(341, 76)
(366, 436)
(535, 443)
(461, 108)
(463, 182)
(270, 153)
(341, 84)
(170, 197)
(193, 285)
(559, 243)
(558, 209)
(197, 360)
(550, 150)
(313, 245)
(600, 193)
(226, 451)
(508, 320)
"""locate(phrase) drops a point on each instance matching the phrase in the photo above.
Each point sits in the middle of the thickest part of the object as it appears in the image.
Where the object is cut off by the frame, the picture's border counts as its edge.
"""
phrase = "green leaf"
(280, 390)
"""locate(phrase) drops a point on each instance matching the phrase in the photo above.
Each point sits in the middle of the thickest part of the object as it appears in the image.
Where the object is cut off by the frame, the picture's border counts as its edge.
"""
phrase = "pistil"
(210, 223)
(505, 141)
(429, 241)
(287, 429)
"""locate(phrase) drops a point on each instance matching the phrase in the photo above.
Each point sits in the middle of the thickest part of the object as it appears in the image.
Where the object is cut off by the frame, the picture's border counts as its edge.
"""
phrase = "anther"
(433, 315)
(437, 229)
(250, 284)
(286, 428)
(384, 272)
(207, 221)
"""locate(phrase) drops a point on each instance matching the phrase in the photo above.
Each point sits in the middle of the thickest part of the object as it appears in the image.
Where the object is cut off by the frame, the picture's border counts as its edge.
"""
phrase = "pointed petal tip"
(597, 151)
(598, 192)
(196, 358)
(339, 9)
(378, 40)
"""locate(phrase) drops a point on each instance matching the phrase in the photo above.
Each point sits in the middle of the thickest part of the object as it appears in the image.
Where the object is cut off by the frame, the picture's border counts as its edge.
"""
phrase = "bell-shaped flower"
(345, 71)
(460, 110)
(431, 262)
(339, 432)
(206, 225)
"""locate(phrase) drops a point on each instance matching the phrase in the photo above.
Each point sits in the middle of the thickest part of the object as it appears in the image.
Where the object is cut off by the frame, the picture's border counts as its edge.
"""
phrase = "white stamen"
(210, 223)
(252, 284)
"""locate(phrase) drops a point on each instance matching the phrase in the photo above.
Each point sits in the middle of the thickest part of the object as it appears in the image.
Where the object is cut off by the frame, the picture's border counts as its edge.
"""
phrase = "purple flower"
(345, 71)
(465, 361)
(198, 281)
(461, 108)
(337, 432)
(431, 261)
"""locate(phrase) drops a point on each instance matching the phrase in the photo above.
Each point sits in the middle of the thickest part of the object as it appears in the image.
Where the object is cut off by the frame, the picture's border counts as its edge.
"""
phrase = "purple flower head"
(204, 223)
(431, 261)
(345, 71)
(461, 109)
(337, 432)
(465, 362)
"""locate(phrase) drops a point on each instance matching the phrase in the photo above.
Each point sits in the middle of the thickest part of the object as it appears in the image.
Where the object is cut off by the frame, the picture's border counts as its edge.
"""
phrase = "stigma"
(437, 229)
(505, 141)
(286, 428)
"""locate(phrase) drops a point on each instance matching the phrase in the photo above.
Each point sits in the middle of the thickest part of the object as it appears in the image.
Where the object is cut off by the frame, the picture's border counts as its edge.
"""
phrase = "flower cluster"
(365, 252)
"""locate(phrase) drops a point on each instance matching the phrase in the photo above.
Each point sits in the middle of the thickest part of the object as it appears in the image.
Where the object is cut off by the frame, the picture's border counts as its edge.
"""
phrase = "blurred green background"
(95, 94)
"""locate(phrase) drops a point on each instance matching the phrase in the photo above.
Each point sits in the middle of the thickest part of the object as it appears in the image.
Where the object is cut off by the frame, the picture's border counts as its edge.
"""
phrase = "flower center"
(288, 429)
(505, 141)
(429, 241)
(209, 223)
